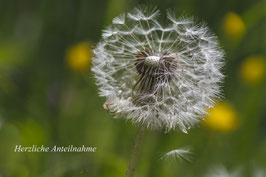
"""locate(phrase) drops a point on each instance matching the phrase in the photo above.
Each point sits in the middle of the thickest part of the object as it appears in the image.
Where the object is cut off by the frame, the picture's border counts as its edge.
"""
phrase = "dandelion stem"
(135, 153)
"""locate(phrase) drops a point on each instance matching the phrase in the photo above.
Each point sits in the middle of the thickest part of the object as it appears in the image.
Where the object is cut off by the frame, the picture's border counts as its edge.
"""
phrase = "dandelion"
(158, 76)
(233, 25)
(253, 69)
(162, 77)
(78, 57)
(259, 172)
(221, 171)
(222, 117)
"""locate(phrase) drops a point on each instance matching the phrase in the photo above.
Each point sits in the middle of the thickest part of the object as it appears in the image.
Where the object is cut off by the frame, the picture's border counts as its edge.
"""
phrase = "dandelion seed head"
(221, 171)
(163, 77)
(259, 172)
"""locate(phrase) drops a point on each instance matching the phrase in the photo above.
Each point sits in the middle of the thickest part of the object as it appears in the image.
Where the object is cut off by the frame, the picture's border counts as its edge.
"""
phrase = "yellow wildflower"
(222, 117)
(233, 25)
(253, 69)
(78, 57)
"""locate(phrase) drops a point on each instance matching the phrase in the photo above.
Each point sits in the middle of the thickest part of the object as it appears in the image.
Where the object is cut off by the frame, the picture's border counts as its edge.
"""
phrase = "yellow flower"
(233, 25)
(78, 57)
(222, 118)
(253, 69)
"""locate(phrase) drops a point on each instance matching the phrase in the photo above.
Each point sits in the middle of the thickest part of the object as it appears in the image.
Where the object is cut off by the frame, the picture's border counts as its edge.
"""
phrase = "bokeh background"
(48, 95)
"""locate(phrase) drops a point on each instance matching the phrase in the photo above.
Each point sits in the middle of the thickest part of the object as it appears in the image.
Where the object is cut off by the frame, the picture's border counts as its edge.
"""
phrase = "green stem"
(135, 153)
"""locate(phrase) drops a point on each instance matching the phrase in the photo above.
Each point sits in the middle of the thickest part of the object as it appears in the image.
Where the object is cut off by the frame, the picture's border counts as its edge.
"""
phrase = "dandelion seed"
(163, 77)
(178, 154)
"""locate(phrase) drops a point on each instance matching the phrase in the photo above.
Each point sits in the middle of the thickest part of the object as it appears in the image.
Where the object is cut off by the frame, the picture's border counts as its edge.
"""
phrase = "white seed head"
(259, 172)
(221, 171)
(164, 77)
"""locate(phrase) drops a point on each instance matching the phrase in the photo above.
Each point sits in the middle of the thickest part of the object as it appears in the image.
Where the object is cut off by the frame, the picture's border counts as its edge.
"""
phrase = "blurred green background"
(48, 95)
